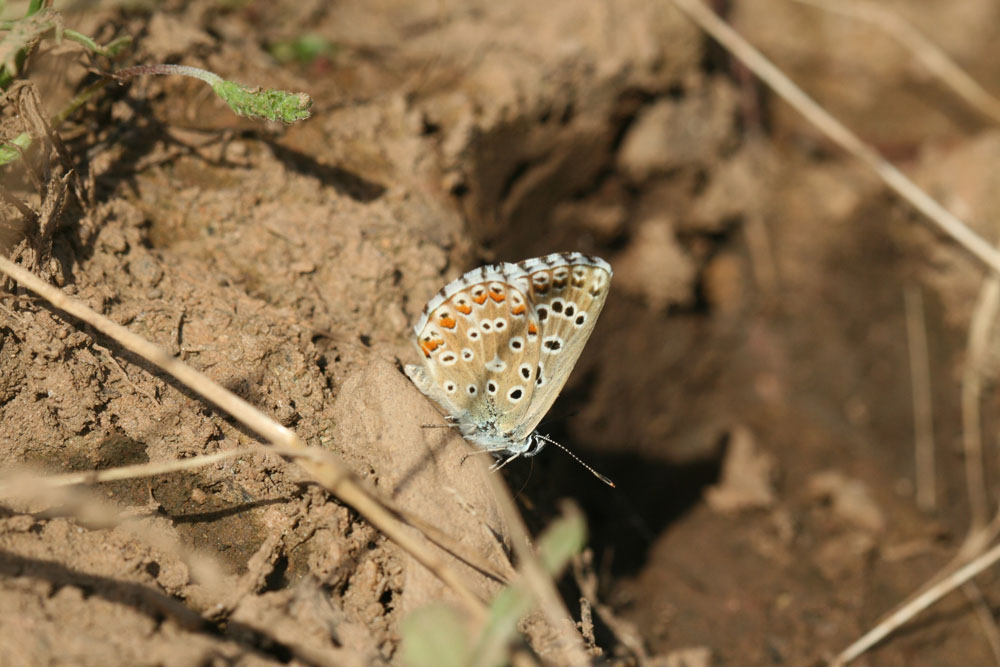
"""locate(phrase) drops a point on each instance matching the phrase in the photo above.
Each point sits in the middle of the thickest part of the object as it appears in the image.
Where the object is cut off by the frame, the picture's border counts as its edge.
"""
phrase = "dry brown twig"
(984, 614)
(937, 62)
(323, 467)
(534, 575)
(980, 328)
(17, 482)
(838, 133)
(327, 471)
(950, 577)
(586, 581)
(923, 404)
(902, 615)
(980, 534)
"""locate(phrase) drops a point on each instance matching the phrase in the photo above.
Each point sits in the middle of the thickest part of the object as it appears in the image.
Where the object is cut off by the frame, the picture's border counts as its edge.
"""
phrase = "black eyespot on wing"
(552, 344)
(557, 306)
(580, 319)
(471, 389)
(543, 314)
(525, 372)
(570, 310)
(516, 394)
(491, 387)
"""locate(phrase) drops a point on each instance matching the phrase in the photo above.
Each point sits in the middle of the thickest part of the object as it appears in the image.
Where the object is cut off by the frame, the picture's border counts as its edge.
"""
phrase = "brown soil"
(747, 386)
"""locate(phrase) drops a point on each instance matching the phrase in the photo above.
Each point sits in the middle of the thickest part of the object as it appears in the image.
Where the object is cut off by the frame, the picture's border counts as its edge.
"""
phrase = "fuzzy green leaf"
(264, 103)
(9, 151)
(435, 636)
(563, 539)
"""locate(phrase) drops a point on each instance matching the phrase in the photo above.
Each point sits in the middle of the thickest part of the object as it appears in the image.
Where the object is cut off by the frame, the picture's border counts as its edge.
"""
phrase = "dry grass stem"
(16, 482)
(838, 133)
(985, 617)
(536, 579)
(937, 62)
(624, 631)
(329, 472)
(983, 317)
(93, 512)
(921, 602)
(762, 260)
(923, 404)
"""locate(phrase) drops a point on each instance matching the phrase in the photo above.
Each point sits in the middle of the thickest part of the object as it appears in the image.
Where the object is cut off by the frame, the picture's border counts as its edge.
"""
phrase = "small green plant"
(439, 636)
(304, 49)
(257, 103)
(19, 37)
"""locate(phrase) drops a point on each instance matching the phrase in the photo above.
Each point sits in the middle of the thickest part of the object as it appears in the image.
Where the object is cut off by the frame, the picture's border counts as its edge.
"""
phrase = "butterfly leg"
(500, 464)
(451, 419)
(478, 451)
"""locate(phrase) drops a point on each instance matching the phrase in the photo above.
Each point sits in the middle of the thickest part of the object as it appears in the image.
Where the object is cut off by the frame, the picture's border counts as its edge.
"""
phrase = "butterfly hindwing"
(499, 343)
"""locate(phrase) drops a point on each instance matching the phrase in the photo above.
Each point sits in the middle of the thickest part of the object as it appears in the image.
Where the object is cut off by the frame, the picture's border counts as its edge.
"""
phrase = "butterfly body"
(499, 343)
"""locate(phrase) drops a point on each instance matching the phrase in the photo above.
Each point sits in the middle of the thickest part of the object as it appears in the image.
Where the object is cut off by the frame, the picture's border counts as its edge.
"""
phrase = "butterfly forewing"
(499, 343)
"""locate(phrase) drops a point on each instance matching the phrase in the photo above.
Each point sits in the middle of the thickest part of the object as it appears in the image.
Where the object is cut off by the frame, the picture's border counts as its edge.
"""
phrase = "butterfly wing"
(480, 342)
(567, 294)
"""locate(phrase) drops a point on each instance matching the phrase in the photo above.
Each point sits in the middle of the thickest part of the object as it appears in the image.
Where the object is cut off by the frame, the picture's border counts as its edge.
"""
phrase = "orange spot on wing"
(497, 297)
(481, 299)
(518, 309)
(532, 329)
(465, 310)
(429, 346)
(448, 322)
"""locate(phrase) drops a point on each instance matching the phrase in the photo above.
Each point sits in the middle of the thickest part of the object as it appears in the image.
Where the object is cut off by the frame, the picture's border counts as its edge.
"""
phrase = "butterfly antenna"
(576, 458)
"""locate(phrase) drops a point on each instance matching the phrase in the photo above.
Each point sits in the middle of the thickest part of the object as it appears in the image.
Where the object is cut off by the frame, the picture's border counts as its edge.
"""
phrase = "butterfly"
(499, 343)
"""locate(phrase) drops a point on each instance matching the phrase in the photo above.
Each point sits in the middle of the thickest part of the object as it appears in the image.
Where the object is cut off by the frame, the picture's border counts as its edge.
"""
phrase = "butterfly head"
(509, 443)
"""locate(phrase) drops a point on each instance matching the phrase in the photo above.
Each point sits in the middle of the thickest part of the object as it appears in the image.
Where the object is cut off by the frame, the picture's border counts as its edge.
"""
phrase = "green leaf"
(304, 49)
(20, 37)
(257, 103)
(264, 103)
(435, 636)
(557, 545)
(561, 541)
(9, 151)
